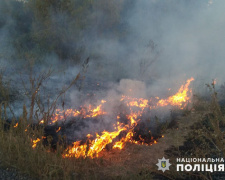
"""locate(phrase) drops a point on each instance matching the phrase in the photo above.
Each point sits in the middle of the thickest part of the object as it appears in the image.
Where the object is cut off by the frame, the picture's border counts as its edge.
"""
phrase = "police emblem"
(163, 164)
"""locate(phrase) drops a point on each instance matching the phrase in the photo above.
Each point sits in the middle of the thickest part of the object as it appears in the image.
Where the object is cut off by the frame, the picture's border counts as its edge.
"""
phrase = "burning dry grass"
(17, 150)
(40, 162)
(133, 162)
(21, 146)
(137, 107)
(204, 138)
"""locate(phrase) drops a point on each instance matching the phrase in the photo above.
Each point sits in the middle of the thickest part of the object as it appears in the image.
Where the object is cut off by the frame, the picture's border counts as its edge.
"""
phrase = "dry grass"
(41, 163)
(134, 162)
(16, 151)
(205, 138)
(44, 163)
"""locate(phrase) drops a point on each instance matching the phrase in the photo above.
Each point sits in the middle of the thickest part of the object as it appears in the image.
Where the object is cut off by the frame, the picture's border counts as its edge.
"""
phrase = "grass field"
(201, 126)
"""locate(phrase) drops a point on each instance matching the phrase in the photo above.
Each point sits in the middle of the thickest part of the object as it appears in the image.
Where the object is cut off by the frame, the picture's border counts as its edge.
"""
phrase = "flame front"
(180, 98)
(92, 147)
(16, 125)
(85, 112)
(35, 143)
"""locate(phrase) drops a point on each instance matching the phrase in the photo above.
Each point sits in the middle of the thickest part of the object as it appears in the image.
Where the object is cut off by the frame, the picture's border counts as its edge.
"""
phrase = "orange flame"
(41, 122)
(58, 129)
(35, 143)
(92, 148)
(16, 125)
(180, 98)
(85, 112)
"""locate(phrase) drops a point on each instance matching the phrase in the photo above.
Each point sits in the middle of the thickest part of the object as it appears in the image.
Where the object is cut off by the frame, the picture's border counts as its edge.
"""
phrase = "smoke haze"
(160, 45)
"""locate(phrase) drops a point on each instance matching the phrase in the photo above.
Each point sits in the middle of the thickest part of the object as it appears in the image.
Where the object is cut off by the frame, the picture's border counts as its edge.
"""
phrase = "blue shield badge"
(163, 164)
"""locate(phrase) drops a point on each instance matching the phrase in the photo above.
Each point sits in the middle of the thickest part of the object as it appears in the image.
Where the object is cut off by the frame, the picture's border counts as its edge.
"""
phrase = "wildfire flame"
(180, 98)
(92, 148)
(85, 112)
(58, 129)
(35, 143)
(16, 125)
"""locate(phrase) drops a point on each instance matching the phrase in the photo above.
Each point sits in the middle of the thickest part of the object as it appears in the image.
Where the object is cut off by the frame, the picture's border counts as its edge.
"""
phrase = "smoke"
(188, 32)
(147, 48)
(167, 43)
(187, 36)
(170, 40)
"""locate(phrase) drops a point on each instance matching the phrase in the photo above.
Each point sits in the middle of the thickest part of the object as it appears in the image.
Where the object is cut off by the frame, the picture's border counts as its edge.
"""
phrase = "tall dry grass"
(205, 139)
(17, 136)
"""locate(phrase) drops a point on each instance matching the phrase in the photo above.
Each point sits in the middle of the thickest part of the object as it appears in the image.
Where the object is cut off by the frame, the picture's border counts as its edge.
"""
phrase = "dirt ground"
(135, 158)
